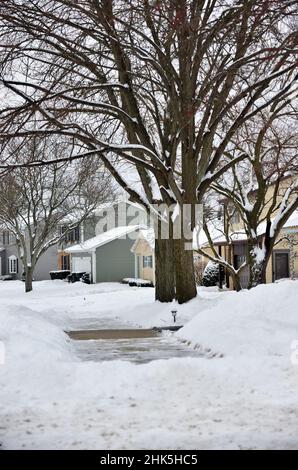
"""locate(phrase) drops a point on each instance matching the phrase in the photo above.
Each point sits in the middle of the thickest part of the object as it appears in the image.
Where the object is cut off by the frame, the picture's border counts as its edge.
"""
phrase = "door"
(280, 265)
(0, 266)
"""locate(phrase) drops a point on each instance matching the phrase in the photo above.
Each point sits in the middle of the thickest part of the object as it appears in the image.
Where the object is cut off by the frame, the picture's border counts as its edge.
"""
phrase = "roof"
(149, 236)
(240, 235)
(292, 221)
(102, 239)
(145, 234)
(107, 205)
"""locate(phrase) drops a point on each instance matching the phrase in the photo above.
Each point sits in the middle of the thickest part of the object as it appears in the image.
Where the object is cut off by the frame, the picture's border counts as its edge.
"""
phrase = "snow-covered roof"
(240, 235)
(102, 239)
(145, 234)
(107, 205)
(2, 248)
(293, 220)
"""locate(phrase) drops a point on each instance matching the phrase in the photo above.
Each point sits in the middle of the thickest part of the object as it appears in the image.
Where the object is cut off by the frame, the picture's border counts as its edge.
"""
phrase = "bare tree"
(264, 188)
(153, 84)
(35, 200)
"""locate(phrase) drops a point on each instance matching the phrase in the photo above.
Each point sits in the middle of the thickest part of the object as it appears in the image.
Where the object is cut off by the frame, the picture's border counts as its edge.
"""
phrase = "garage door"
(81, 264)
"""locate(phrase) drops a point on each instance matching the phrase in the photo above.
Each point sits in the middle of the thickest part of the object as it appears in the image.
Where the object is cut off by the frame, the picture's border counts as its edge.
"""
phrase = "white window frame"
(12, 264)
(148, 261)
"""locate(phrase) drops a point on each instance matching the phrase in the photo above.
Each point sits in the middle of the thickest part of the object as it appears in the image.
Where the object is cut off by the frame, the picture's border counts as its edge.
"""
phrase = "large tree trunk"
(28, 278)
(164, 270)
(184, 272)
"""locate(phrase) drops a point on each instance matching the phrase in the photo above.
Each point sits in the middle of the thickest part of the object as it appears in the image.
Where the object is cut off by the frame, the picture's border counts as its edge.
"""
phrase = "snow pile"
(32, 336)
(260, 322)
(246, 399)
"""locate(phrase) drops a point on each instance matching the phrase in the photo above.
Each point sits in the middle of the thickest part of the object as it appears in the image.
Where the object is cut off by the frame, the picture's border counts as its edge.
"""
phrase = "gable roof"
(102, 239)
(240, 235)
(145, 234)
(292, 220)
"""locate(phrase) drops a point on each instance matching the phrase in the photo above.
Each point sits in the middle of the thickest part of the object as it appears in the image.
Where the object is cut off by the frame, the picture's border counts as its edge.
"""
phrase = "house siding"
(46, 263)
(115, 261)
(3, 263)
(143, 248)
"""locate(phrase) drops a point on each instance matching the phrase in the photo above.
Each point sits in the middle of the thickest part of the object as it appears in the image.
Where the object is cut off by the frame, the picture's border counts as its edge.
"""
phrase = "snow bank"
(259, 322)
(247, 399)
(32, 336)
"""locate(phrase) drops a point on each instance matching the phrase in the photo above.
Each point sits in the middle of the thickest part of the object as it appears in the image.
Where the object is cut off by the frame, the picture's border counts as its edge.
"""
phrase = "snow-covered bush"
(211, 274)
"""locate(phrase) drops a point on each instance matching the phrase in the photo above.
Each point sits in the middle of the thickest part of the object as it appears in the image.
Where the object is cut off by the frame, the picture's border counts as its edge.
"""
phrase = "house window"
(147, 261)
(12, 264)
(5, 237)
(73, 236)
(65, 264)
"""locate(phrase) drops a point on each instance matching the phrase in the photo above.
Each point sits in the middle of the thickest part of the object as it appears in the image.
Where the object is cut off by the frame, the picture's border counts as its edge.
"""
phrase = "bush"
(211, 274)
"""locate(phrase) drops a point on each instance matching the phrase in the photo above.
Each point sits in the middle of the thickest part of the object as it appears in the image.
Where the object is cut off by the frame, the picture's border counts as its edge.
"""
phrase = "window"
(73, 236)
(65, 264)
(147, 261)
(5, 237)
(13, 264)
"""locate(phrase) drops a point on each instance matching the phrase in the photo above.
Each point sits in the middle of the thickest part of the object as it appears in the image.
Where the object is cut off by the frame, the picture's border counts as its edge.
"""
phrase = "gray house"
(101, 246)
(106, 257)
(11, 264)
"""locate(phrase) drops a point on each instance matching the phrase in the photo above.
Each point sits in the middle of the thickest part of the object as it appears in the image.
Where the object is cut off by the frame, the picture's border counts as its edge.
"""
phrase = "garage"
(81, 264)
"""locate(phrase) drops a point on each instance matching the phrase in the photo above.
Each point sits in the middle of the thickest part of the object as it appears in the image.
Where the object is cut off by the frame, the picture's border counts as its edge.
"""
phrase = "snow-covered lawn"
(244, 395)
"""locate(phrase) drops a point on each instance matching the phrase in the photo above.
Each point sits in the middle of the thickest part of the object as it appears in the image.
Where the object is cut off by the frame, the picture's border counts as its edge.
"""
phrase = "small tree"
(35, 200)
(211, 274)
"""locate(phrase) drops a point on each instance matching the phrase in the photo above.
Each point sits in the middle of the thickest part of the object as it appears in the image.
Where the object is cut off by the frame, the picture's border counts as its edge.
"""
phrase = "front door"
(280, 265)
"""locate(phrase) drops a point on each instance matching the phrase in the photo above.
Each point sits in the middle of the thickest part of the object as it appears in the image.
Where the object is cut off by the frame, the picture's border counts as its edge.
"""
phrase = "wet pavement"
(109, 339)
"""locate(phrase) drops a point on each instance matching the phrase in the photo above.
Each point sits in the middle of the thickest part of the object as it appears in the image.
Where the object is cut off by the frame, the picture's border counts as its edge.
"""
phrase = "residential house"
(101, 246)
(284, 260)
(11, 264)
(282, 264)
(143, 250)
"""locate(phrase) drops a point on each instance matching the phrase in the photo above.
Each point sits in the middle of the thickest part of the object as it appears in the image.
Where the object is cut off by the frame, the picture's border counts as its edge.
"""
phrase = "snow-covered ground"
(242, 394)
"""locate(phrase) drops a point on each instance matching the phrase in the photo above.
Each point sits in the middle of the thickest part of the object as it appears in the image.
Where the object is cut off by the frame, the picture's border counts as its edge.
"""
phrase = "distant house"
(106, 257)
(283, 262)
(143, 250)
(11, 264)
(101, 245)
(105, 217)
